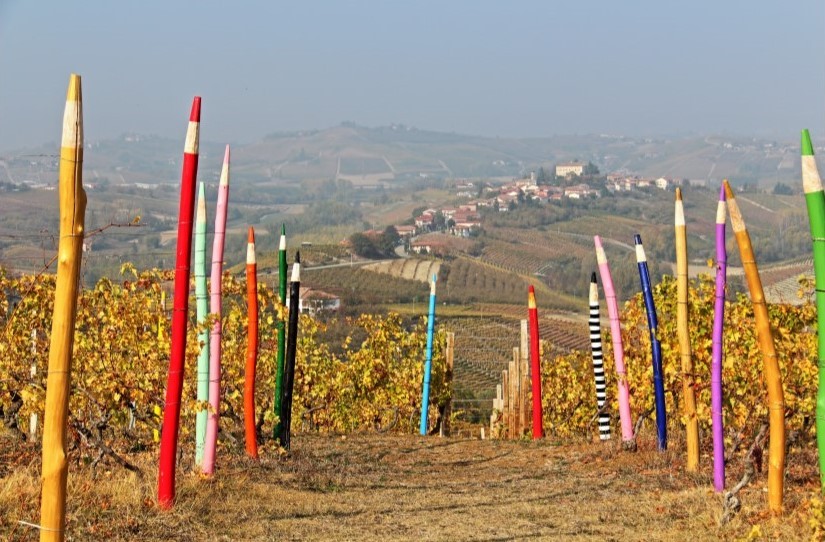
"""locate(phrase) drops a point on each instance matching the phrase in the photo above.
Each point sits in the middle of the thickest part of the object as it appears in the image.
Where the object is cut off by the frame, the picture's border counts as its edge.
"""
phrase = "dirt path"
(372, 487)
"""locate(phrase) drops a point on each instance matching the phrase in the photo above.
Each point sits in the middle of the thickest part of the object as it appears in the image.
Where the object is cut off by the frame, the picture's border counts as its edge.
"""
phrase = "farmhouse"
(569, 168)
(315, 302)
(424, 221)
(579, 191)
(404, 231)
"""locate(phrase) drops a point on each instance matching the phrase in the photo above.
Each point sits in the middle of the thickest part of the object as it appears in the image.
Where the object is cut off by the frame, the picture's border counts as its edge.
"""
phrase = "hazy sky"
(514, 68)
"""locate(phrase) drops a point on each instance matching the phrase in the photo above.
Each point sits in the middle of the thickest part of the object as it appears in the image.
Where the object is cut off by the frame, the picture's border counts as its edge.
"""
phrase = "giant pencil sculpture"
(180, 312)
(717, 348)
(764, 335)
(688, 390)
(598, 363)
(201, 295)
(72, 199)
(628, 439)
(213, 417)
(535, 362)
(279, 374)
(655, 345)
(291, 349)
(251, 347)
(815, 200)
(425, 392)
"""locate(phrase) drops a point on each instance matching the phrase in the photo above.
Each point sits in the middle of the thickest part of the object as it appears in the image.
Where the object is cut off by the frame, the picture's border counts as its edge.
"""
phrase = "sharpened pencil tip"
(807, 147)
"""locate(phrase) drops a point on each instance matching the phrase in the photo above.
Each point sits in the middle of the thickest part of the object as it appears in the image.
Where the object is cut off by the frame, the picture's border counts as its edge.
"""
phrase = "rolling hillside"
(369, 156)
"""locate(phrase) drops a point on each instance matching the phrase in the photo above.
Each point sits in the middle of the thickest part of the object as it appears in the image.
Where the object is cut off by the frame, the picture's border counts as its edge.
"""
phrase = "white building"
(569, 168)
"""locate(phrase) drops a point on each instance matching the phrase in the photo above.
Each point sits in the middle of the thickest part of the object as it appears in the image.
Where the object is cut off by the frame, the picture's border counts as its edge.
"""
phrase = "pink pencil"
(215, 308)
(618, 350)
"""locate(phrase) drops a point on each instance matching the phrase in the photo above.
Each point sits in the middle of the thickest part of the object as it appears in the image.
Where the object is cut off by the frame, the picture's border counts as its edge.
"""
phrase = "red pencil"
(535, 363)
(180, 310)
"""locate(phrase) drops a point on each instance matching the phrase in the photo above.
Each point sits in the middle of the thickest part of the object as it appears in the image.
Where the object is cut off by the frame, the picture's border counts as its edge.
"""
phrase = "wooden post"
(683, 332)
(512, 381)
(524, 381)
(448, 377)
(516, 383)
(505, 403)
(498, 407)
(58, 384)
(33, 374)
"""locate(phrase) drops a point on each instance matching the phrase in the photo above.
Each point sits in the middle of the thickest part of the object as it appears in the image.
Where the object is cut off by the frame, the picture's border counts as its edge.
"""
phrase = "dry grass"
(371, 487)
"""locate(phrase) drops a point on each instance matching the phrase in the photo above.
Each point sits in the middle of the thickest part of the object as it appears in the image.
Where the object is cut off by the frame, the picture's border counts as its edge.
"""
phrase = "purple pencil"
(716, 360)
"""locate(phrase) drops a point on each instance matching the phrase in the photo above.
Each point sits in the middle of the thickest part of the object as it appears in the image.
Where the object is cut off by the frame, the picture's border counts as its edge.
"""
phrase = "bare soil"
(404, 487)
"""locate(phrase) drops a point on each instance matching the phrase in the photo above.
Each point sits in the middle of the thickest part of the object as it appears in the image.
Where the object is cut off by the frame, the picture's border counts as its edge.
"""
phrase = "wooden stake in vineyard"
(513, 380)
(655, 345)
(425, 392)
(815, 201)
(717, 348)
(535, 363)
(688, 383)
(251, 347)
(33, 375)
(628, 438)
(524, 378)
(180, 313)
(201, 294)
(291, 349)
(279, 374)
(595, 328)
(215, 294)
(58, 384)
(447, 414)
(764, 335)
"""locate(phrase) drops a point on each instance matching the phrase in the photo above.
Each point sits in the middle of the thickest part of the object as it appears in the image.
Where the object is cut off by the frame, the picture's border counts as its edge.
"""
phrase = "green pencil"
(815, 200)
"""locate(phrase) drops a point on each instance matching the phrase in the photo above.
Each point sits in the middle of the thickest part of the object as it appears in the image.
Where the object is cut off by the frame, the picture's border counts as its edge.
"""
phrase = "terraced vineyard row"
(468, 281)
(408, 268)
(785, 291)
(618, 228)
(484, 347)
(514, 257)
(530, 251)
(561, 331)
(310, 255)
(780, 273)
(357, 286)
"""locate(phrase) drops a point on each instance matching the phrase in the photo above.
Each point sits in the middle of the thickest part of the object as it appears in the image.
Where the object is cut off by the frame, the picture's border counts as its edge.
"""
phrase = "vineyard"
(121, 348)
(567, 381)
(470, 281)
(408, 268)
(359, 287)
(532, 251)
(371, 381)
(781, 282)
(620, 228)
(311, 254)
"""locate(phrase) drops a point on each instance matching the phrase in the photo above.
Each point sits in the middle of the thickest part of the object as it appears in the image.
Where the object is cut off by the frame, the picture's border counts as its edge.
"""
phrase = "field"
(403, 487)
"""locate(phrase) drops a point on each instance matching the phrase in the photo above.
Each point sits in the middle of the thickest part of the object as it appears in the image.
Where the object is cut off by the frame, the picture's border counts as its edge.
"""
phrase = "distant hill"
(392, 154)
